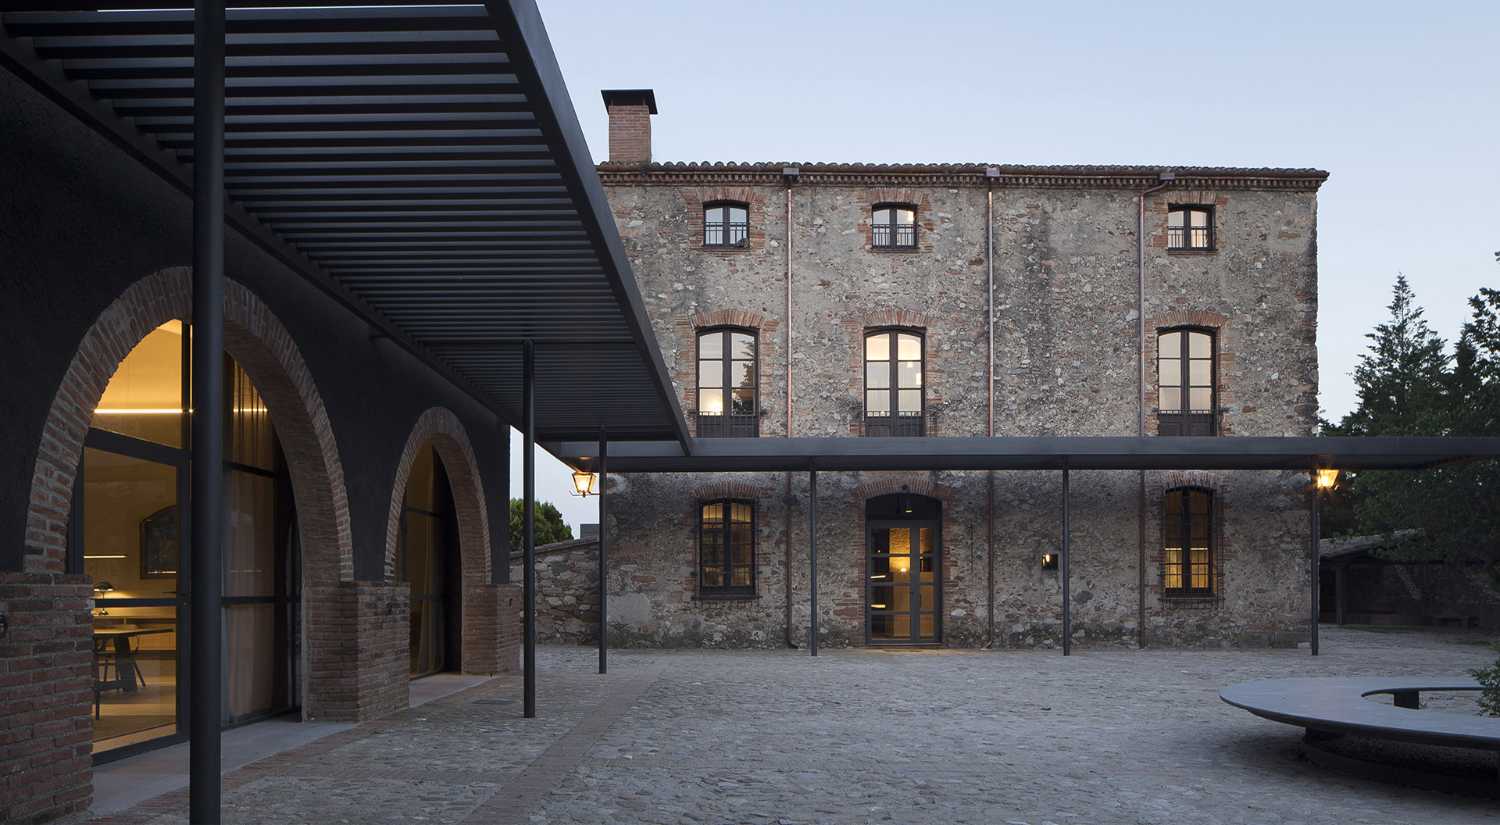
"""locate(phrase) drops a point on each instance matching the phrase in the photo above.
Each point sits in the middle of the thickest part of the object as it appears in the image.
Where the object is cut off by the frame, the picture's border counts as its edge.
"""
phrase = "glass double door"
(903, 591)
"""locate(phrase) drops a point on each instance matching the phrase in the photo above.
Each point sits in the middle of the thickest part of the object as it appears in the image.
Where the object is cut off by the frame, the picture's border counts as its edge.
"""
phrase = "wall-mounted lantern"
(585, 483)
(1049, 561)
(1326, 479)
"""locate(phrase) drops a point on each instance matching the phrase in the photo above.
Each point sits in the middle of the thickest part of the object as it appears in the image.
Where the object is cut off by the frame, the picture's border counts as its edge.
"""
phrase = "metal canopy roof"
(1034, 453)
(420, 161)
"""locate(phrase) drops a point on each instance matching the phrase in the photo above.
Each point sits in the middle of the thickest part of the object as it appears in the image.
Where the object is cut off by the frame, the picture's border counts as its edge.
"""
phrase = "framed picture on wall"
(161, 544)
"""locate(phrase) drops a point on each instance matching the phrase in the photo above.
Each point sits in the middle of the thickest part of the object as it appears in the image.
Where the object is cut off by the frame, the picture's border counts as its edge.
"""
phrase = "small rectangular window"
(893, 226)
(726, 224)
(726, 548)
(1190, 228)
(1187, 542)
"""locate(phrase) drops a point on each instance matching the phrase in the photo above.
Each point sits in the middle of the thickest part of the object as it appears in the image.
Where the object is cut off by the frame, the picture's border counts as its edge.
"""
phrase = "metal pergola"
(420, 162)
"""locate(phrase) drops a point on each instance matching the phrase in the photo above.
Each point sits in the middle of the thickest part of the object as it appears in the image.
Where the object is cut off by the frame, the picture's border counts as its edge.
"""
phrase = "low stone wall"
(567, 584)
(46, 696)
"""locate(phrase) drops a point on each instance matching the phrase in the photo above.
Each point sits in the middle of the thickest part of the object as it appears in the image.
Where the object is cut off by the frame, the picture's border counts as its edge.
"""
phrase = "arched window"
(1185, 374)
(1187, 542)
(893, 226)
(894, 402)
(725, 224)
(727, 381)
(726, 548)
(427, 560)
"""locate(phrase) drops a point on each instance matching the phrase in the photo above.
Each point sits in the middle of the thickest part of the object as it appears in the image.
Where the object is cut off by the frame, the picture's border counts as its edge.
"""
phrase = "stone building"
(930, 300)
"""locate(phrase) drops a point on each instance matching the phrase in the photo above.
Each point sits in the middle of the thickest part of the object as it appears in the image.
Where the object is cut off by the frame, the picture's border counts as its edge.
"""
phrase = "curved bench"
(1338, 706)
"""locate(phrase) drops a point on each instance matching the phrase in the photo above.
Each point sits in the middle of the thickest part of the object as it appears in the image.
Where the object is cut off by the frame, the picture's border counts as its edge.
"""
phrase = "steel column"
(528, 526)
(1312, 543)
(603, 550)
(1062, 565)
(812, 557)
(205, 686)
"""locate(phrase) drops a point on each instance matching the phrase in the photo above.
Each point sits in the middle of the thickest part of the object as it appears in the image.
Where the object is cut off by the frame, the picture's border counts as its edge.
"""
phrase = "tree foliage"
(1408, 384)
(550, 526)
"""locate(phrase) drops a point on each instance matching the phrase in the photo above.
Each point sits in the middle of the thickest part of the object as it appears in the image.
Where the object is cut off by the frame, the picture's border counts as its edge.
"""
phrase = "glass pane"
(1169, 372)
(743, 577)
(250, 659)
(906, 217)
(131, 527)
(924, 540)
(713, 548)
(878, 402)
(1169, 344)
(737, 214)
(900, 569)
(713, 214)
(1199, 218)
(927, 626)
(744, 402)
(250, 434)
(1199, 501)
(881, 626)
(901, 626)
(710, 373)
(426, 636)
(741, 373)
(882, 216)
(710, 402)
(901, 598)
(908, 347)
(1174, 218)
(742, 544)
(878, 375)
(900, 540)
(713, 513)
(880, 568)
(1200, 372)
(144, 397)
(711, 345)
(878, 347)
(927, 597)
(739, 512)
(421, 552)
(1202, 399)
(250, 535)
(741, 345)
(880, 541)
(910, 401)
(882, 597)
(1200, 345)
(1171, 399)
(135, 674)
(909, 373)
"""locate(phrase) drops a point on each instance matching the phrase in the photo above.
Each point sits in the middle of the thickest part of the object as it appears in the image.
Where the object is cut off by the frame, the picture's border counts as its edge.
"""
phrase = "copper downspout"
(1165, 179)
(789, 176)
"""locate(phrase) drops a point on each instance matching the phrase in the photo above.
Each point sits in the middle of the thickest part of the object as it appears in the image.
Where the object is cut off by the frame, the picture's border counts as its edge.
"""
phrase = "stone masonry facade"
(1066, 345)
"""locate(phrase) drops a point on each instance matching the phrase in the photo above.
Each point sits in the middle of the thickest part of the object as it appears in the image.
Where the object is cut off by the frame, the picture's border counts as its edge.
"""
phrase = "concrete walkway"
(1105, 736)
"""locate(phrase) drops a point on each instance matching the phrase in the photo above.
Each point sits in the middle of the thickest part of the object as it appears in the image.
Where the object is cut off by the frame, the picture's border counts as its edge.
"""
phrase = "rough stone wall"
(1065, 364)
(46, 696)
(567, 583)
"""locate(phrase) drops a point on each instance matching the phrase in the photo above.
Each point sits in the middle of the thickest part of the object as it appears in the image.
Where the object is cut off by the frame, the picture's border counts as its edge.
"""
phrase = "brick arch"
(896, 318)
(919, 485)
(265, 350)
(729, 318)
(730, 489)
(441, 428)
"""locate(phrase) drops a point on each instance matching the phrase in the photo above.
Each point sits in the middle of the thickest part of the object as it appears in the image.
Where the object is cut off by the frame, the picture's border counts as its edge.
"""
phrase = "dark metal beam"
(207, 469)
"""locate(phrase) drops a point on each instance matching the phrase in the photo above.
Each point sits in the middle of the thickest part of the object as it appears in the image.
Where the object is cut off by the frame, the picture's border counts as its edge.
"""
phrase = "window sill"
(725, 597)
(742, 248)
(1209, 251)
(895, 249)
(1191, 599)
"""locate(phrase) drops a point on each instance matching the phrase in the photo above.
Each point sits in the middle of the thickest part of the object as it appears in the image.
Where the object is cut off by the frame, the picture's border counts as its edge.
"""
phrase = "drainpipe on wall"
(789, 176)
(991, 174)
(1165, 179)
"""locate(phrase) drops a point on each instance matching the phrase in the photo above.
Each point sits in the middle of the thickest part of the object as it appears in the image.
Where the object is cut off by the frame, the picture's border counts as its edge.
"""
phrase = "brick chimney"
(630, 112)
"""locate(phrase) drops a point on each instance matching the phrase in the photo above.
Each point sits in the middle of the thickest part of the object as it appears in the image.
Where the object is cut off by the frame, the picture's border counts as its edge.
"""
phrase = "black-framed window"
(726, 224)
(1186, 374)
(726, 547)
(727, 383)
(894, 399)
(893, 226)
(1187, 542)
(1190, 227)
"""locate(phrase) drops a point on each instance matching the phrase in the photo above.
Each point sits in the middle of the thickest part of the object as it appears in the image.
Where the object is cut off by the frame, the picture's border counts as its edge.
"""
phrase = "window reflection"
(893, 383)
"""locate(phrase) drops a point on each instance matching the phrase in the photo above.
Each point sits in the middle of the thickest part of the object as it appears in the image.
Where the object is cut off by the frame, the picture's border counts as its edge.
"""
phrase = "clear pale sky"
(1399, 102)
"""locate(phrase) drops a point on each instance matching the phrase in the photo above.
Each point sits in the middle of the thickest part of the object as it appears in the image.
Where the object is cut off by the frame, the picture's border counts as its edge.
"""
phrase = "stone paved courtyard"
(1105, 736)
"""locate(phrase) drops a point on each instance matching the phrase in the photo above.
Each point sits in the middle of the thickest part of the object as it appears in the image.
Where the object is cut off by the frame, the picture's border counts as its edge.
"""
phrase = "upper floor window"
(1187, 531)
(1185, 373)
(726, 548)
(894, 226)
(725, 224)
(727, 380)
(1190, 227)
(893, 382)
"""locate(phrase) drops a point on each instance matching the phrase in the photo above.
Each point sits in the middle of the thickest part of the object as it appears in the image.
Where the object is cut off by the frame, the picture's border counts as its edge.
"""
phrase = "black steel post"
(812, 557)
(205, 703)
(1315, 528)
(528, 526)
(1062, 565)
(603, 550)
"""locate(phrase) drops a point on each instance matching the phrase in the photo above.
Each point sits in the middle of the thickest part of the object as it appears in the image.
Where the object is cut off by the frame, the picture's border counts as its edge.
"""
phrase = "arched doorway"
(128, 523)
(427, 559)
(903, 564)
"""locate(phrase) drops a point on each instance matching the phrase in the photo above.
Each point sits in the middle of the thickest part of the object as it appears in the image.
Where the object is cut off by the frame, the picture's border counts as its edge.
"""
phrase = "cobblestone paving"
(1104, 736)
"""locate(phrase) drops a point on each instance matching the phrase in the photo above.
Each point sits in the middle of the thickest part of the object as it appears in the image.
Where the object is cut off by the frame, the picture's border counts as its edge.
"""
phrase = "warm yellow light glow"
(877, 607)
(900, 564)
(1046, 559)
(585, 483)
(167, 410)
(1327, 478)
(104, 557)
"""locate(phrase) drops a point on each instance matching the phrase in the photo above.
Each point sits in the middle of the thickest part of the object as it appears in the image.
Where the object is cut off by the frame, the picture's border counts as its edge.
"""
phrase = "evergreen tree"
(550, 526)
(1401, 378)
